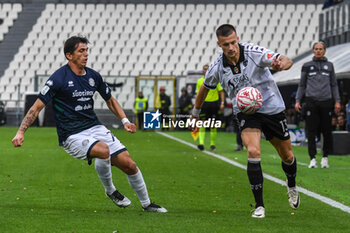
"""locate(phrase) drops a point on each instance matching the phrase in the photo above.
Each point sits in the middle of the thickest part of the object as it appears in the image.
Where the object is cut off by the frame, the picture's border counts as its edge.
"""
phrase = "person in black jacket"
(318, 89)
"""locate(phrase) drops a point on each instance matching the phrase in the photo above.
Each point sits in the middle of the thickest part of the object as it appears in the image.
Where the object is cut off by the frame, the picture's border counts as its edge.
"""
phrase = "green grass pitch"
(43, 189)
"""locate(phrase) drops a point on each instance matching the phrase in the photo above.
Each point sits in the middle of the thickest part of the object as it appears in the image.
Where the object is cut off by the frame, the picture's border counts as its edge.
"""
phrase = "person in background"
(318, 88)
(210, 109)
(334, 122)
(165, 103)
(141, 106)
(185, 104)
(341, 126)
(348, 116)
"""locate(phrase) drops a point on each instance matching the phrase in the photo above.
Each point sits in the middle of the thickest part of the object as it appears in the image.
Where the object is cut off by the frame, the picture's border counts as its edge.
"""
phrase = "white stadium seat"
(134, 39)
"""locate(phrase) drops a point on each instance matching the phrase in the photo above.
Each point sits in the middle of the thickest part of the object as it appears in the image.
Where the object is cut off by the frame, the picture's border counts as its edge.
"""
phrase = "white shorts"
(79, 145)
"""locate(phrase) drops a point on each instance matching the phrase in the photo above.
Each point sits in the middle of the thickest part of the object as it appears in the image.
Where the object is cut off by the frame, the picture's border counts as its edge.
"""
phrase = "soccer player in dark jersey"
(243, 65)
(71, 88)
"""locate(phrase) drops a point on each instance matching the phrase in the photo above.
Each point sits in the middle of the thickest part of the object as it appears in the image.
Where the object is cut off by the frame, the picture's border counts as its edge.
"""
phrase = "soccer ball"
(249, 100)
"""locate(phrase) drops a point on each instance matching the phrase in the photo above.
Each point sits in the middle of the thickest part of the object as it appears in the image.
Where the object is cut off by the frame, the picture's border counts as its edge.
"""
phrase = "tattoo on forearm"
(28, 120)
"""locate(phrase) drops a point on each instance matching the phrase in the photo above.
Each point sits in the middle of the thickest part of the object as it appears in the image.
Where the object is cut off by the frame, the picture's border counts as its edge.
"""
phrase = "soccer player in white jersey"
(71, 88)
(242, 65)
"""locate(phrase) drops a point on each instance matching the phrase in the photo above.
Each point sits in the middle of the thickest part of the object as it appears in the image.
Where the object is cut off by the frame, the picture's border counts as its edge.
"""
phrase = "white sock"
(103, 169)
(139, 186)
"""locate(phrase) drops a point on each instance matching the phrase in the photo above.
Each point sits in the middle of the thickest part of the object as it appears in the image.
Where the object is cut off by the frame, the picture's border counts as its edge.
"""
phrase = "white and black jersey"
(251, 70)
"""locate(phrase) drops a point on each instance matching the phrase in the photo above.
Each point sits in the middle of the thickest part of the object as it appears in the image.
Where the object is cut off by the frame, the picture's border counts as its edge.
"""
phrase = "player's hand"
(277, 64)
(130, 127)
(18, 140)
(193, 129)
(297, 107)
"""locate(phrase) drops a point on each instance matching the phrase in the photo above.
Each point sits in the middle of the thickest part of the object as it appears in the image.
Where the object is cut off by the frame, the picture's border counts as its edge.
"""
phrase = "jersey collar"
(235, 68)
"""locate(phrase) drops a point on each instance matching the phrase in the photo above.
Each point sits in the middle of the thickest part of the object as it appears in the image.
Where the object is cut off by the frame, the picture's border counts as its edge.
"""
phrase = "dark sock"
(256, 181)
(291, 172)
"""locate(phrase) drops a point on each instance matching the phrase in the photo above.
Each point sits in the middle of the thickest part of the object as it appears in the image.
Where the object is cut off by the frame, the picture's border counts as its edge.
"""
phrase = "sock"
(201, 135)
(213, 132)
(291, 171)
(139, 186)
(256, 180)
(103, 169)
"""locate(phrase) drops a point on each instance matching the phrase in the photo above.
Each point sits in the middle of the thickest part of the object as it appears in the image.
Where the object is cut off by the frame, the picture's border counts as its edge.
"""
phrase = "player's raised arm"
(28, 120)
(115, 107)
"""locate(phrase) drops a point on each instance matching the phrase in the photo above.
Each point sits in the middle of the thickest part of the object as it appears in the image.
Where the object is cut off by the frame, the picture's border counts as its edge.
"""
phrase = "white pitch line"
(326, 200)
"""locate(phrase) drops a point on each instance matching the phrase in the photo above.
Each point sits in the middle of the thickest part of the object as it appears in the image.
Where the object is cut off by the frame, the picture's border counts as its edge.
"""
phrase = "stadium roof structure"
(338, 55)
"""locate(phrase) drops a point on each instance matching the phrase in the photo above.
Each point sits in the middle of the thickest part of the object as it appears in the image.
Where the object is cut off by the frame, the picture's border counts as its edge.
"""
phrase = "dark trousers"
(140, 120)
(238, 131)
(318, 118)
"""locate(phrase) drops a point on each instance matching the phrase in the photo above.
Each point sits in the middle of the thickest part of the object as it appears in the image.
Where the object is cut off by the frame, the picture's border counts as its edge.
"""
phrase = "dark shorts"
(209, 110)
(270, 125)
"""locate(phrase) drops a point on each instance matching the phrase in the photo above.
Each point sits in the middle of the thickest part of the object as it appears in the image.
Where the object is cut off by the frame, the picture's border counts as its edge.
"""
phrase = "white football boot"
(259, 212)
(324, 162)
(155, 208)
(119, 199)
(293, 197)
(313, 163)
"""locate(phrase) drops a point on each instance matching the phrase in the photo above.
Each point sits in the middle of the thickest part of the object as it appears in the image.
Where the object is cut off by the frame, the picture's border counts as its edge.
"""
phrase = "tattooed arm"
(30, 117)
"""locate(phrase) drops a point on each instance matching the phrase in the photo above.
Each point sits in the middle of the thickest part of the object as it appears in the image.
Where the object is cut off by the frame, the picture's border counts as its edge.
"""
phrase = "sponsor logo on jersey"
(78, 108)
(77, 93)
(84, 99)
(325, 67)
(70, 84)
(85, 107)
(45, 90)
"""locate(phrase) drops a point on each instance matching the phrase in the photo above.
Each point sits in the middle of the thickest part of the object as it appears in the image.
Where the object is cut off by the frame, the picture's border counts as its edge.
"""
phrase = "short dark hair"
(71, 43)
(319, 42)
(225, 30)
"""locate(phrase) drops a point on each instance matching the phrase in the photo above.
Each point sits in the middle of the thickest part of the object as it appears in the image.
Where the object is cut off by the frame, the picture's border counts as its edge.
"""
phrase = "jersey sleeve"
(103, 88)
(52, 85)
(262, 57)
(211, 79)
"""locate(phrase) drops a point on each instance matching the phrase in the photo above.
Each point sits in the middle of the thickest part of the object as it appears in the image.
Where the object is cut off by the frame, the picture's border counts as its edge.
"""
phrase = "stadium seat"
(145, 39)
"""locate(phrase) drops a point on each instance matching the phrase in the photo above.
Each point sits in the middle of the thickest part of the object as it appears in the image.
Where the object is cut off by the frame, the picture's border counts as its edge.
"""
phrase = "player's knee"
(253, 152)
(131, 167)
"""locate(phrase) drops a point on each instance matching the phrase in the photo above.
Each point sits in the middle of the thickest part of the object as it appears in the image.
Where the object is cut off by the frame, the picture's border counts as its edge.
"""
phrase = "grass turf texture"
(45, 190)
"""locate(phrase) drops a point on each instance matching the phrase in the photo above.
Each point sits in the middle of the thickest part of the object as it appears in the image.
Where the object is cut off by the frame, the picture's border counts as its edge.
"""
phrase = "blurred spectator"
(185, 102)
(2, 113)
(318, 89)
(341, 123)
(348, 116)
(334, 123)
(165, 103)
(141, 105)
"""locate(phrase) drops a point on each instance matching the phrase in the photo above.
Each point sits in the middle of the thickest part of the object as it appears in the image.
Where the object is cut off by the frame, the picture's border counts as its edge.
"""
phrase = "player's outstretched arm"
(282, 63)
(201, 95)
(30, 117)
(115, 107)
